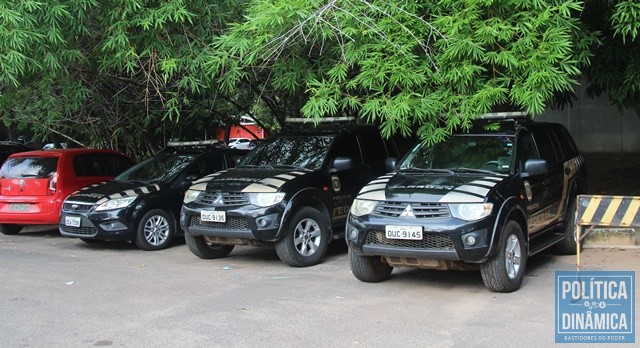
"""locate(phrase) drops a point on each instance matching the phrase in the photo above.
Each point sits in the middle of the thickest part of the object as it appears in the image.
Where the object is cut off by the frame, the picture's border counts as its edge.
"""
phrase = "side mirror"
(342, 163)
(535, 167)
(390, 164)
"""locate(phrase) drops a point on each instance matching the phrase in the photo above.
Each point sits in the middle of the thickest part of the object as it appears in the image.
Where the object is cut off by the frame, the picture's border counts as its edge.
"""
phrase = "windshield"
(463, 152)
(300, 152)
(157, 169)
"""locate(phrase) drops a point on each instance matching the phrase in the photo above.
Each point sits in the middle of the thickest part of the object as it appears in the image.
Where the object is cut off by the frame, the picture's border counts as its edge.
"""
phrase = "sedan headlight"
(191, 196)
(265, 199)
(116, 203)
(361, 207)
(470, 211)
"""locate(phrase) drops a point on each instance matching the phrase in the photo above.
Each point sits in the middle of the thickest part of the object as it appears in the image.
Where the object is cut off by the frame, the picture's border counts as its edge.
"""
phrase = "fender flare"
(310, 197)
(511, 208)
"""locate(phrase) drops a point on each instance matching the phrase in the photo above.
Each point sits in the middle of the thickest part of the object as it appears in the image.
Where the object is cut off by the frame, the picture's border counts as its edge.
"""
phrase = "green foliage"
(615, 68)
(131, 74)
(625, 19)
(127, 74)
(424, 67)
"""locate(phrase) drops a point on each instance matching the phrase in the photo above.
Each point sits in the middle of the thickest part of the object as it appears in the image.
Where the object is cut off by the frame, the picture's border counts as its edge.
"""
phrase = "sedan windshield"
(463, 152)
(296, 152)
(157, 169)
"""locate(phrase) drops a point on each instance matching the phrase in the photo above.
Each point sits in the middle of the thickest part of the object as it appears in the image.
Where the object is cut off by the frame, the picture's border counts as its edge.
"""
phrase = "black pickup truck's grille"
(419, 210)
(232, 223)
(223, 198)
(438, 241)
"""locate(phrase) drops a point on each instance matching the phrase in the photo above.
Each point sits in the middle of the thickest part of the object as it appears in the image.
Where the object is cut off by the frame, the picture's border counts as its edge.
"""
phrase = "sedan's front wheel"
(155, 230)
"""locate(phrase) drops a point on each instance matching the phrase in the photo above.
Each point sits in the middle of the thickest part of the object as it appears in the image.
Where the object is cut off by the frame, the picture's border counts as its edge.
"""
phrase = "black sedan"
(143, 203)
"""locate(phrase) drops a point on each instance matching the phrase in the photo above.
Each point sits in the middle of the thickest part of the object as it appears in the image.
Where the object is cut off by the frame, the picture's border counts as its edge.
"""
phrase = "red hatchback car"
(34, 184)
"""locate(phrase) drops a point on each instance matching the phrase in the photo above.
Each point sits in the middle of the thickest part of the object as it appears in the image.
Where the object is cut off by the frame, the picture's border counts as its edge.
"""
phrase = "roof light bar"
(193, 143)
(503, 115)
(322, 119)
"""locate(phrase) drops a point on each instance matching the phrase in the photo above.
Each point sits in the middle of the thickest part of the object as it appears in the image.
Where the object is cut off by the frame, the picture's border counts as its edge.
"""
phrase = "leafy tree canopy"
(130, 74)
(429, 66)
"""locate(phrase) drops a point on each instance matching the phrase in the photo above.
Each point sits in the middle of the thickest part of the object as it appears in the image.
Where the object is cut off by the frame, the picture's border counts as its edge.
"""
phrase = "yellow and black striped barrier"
(605, 211)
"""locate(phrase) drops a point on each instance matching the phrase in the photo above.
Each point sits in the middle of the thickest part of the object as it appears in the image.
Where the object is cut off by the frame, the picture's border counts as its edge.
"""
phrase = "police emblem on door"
(527, 190)
(335, 183)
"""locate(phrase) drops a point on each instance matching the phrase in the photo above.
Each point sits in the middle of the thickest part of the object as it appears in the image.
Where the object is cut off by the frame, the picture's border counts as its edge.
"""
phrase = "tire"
(505, 271)
(370, 269)
(155, 230)
(306, 241)
(568, 245)
(204, 249)
(10, 229)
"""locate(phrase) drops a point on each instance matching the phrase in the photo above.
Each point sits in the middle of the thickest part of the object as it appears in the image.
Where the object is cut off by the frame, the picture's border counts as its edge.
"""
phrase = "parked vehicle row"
(484, 199)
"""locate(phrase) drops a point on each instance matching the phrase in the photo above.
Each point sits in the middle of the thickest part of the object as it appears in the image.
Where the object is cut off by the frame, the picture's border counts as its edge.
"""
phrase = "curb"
(612, 238)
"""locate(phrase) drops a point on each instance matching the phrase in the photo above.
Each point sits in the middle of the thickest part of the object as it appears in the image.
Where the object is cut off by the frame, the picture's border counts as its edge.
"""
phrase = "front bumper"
(443, 239)
(107, 225)
(244, 222)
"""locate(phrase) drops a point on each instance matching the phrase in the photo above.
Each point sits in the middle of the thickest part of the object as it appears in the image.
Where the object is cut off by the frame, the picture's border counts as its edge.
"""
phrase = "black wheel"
(505, 271)
(10, 229)
(568, 245)
(306, 241)
(202, 248)
(370, 269)
(155, 230)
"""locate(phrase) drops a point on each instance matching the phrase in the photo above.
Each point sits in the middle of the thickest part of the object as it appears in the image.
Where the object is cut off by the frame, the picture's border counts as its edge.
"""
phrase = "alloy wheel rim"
(156, 230)
(307, 237)
(513, 256)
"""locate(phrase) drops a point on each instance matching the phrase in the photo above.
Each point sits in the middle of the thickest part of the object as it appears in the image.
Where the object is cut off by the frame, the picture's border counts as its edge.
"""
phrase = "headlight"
(116, 203)
(361, 207)
(265, 199)
(471, 211)
(191, 196)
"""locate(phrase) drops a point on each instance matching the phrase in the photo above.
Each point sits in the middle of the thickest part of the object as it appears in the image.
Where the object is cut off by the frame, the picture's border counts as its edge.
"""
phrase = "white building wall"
(597, 126)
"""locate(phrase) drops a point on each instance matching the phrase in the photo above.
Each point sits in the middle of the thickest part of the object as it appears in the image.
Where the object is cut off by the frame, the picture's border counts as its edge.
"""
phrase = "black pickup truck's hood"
(99, 193)
(249, 180)
(419, 187)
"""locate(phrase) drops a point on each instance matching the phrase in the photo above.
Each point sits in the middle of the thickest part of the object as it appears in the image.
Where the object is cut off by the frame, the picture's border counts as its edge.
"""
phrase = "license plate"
(19, 207)
(403, 232)
(213, 216)
(73, 221)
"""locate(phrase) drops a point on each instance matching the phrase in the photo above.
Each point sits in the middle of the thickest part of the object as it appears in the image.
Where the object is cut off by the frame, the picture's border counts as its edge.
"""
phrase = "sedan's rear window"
(29, 167)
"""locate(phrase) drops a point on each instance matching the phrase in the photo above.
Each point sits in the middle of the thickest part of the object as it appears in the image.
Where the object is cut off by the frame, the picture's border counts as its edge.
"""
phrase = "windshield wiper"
(473, 170)
(426, 170)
